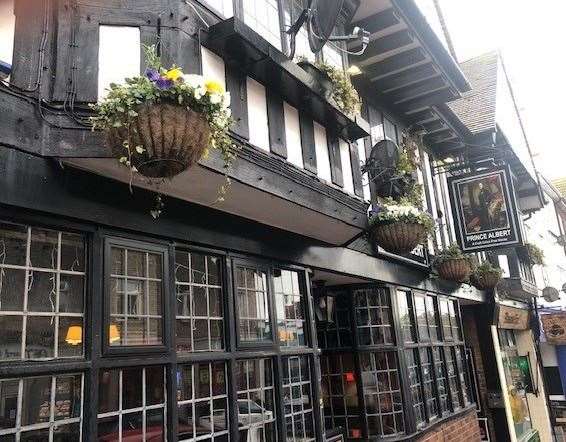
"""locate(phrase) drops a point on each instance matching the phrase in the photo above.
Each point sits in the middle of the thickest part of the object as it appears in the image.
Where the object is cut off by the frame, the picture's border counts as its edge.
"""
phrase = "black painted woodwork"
(378, 22)
(307, 142)
(236, 83)
(356, 170)
(335, 160)
(36, 185)
(238, 44)
(276, 120)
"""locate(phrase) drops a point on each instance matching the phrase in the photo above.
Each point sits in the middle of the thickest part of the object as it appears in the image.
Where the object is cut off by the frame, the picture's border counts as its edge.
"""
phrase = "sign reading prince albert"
(485, 210)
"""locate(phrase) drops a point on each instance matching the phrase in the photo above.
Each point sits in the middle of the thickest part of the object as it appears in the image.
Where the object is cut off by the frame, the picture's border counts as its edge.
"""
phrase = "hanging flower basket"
(453, 265)
(163, 122)
(173, 138)
(399, 237)
(485, 276)
(485, 281)
(399, 227)
(457, 270)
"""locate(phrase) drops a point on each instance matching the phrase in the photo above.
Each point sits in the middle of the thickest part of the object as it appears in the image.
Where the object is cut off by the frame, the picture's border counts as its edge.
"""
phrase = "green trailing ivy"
(486, 269)
(344, 93)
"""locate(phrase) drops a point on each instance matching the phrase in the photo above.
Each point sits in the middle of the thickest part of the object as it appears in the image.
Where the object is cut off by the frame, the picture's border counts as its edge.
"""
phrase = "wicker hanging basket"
(457, 269)
(485, 281)
(398, 237)
(172, 136)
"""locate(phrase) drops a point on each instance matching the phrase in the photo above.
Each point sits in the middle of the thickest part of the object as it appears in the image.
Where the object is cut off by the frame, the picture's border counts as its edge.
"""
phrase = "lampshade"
(74, 335)
(113, 333)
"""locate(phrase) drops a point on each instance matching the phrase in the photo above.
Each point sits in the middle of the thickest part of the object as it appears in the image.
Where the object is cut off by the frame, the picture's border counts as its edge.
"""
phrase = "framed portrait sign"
(485, 210)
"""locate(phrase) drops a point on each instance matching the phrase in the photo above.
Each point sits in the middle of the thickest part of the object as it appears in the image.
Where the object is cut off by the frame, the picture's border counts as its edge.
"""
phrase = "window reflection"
(42, 288)
(135, 297)
(202, 404)
(37, 408)
(131, 403)
(253, 313)
(290, 304)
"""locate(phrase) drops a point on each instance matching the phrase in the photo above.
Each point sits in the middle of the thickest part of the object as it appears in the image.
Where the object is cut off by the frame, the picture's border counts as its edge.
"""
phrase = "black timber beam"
(435, 126)
(396, 63)
(428, 100)
(438, 137)
(421, 117)
(385, 44)
(406, 78)
(417, 89)
(378, 22)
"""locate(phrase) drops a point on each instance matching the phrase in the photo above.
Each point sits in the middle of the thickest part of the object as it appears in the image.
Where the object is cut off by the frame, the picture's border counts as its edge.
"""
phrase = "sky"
(531, 36)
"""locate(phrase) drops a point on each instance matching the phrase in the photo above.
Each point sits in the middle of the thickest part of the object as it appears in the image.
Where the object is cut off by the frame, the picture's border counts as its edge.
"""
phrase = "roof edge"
(413, 16)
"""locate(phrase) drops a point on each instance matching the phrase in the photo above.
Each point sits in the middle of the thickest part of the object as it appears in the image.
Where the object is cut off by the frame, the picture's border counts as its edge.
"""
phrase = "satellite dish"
(550, 294)
(321, 17)
(324, 14)
(383, 160)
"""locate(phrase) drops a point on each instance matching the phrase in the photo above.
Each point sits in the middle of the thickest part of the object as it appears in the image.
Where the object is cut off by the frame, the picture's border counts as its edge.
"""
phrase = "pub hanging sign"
(485, 210)
(554, 326)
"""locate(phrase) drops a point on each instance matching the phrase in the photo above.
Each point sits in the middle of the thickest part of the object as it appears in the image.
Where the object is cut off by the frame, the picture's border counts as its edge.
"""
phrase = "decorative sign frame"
(485, 210)
(512, 318)
(554, 326)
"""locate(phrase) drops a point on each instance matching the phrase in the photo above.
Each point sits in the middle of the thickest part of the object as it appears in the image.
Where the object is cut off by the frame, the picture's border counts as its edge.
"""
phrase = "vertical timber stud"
(236, 84)
(307, 142)
(335, 160)
(315, 374)
(276, 121)
(356, 169)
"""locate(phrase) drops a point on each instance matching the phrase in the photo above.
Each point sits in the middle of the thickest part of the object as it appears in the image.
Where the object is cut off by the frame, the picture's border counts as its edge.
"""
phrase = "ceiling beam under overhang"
(396, 64)
(416, 90)
(406, 78)
(377, 23)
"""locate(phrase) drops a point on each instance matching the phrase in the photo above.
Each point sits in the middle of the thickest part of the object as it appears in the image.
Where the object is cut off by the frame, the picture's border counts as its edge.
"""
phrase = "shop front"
(205, 326)
(521, 378)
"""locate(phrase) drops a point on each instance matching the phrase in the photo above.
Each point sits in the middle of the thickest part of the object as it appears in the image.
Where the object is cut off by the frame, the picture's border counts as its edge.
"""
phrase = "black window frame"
(144, 246)
(434, 342)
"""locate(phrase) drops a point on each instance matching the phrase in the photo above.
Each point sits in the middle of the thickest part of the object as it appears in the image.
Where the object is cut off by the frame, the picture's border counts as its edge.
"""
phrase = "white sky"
(531, 36)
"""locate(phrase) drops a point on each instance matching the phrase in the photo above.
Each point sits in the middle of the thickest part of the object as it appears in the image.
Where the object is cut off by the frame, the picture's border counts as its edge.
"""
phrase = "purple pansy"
(152, 74)
(164, 83)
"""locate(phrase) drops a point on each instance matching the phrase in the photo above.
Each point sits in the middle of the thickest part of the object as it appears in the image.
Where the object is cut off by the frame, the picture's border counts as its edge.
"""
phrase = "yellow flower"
(174, 74)
(213, 87)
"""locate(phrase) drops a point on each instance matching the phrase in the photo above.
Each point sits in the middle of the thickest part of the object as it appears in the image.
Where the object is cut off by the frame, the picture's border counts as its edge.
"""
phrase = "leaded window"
(256, 399)
(132, 404)
(42, 292)
(338, 332)
(452, 373)
(199, 306)
(406, 318)
(415, 385)
(429, 388)
(373, 316)
(382, 393)
(290, 305)
(441, 378)
(293, 9)
(252, 302)
(340, 395)
(263, 17)
(223, 7)
(42, 408)
(298, 399)
(135, 298)
(202, 402)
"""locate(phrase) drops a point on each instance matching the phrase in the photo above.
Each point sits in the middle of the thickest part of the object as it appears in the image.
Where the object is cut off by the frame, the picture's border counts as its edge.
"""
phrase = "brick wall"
(462, 429)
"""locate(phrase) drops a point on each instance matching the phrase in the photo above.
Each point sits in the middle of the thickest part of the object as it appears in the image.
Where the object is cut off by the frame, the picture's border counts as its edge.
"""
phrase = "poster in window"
(554, 326)
(485, 210)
